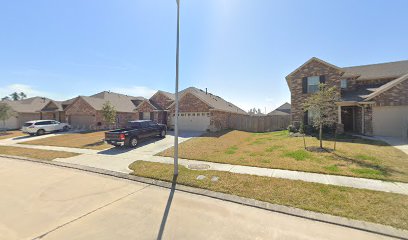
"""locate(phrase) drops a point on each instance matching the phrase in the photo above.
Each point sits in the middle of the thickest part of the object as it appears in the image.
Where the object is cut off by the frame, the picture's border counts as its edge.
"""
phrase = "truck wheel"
(163, 133)
(133, 142)
(40, 132)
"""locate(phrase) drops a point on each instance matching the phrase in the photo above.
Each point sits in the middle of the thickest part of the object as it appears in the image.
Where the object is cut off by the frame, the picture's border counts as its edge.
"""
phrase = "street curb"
(321, 217)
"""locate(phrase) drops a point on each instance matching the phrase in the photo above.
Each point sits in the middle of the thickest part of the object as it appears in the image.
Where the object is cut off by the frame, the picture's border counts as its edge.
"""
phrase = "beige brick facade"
(190, 103)
(160, 99)
(396, 96)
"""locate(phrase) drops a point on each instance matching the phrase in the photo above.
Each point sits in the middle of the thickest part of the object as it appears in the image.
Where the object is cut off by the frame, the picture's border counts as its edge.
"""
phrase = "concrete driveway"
(118, 159)
(47, 202)
(400, 143)
(152, 146)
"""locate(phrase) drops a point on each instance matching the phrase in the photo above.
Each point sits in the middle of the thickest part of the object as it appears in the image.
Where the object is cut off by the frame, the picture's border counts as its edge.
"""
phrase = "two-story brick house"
(373, 98)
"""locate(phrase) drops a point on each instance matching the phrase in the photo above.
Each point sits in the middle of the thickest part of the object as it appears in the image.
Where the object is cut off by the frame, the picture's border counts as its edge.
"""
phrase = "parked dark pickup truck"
(135, 131)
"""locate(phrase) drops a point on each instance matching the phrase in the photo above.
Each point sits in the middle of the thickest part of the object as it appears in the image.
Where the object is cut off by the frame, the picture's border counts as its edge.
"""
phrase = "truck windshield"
(134, 124)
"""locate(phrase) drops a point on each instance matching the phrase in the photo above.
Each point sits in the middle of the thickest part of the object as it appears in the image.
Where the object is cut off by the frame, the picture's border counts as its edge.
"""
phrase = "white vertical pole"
(176, 93)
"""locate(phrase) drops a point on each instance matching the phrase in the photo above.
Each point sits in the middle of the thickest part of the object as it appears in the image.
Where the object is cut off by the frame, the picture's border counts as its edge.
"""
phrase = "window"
(313, 84)
(343, 83)
(193, 114)
(310, 116)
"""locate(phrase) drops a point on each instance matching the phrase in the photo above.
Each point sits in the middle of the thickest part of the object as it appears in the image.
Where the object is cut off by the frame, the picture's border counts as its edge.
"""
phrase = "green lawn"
(354, 156)
(378, 207)
(35, 153)
(88, 140)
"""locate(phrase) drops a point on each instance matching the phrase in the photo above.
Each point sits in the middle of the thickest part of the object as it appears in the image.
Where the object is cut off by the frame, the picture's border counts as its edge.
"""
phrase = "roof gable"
(313, 59)
(377, 71)
(213, 101)
(386, 87)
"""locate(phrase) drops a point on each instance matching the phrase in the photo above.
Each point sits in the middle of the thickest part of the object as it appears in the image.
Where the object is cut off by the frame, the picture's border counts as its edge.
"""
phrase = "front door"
(347, 118)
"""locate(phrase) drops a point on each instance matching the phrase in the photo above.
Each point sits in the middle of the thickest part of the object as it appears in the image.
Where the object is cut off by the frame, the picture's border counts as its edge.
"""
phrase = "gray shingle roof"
(121, 102)
(284, 109)
(213, 101)
(377, 71)
(29, 105)
(167, 94)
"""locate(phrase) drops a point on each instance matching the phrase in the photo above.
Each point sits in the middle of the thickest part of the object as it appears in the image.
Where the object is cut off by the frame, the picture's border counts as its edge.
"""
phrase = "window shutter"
(322, 79)
(305, 118)
(304, 84)
(152, 116)
(140, 115)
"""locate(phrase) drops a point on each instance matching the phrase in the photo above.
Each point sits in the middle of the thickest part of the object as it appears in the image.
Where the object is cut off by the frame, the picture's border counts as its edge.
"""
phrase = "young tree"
(109, 113)
(5, 113)
(15, 96)
(323, 106)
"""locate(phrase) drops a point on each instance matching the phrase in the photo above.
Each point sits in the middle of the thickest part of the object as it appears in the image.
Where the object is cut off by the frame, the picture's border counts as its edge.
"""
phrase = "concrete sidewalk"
(118, 160)
(120, 163)
(58, 205)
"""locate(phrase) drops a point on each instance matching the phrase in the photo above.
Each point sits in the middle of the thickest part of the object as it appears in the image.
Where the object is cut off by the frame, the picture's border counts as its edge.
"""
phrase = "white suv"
(41, 127)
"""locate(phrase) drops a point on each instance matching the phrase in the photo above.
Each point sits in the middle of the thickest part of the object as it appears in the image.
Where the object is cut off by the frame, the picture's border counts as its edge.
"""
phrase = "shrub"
(292, 128)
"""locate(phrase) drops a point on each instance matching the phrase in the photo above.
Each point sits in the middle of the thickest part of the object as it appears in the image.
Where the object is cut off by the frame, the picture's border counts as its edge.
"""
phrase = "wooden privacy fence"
(258, 123)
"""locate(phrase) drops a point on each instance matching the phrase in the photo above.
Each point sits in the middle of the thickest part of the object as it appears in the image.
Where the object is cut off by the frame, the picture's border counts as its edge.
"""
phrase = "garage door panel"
(81, 121)
(11, 123)
(390, 121)
(193, 121)
(25, 117)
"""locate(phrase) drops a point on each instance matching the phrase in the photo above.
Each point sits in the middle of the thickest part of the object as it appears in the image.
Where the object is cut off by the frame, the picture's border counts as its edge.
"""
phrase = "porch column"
(339, 114)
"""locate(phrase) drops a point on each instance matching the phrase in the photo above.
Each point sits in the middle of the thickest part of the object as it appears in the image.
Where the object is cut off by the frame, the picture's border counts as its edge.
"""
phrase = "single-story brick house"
(155, 108)
(198, 110)
(374, 98)
(283, 110)
(25, 110)
(86, 111)
(202, 111)
(55, 110)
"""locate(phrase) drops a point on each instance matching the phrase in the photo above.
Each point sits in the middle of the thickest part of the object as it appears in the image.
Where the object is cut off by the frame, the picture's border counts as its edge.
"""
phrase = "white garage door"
(194, 121)
(390, 121)
(25, 117)
(81, 121)
(11, 123)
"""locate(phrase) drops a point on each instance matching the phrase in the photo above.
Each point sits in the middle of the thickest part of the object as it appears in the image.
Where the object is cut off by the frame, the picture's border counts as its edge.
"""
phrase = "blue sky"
(238, 49)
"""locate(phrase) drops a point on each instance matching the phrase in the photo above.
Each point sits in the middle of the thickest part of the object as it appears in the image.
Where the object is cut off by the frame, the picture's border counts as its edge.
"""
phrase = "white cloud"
(136, 91)
(28, 90)
(31, 92)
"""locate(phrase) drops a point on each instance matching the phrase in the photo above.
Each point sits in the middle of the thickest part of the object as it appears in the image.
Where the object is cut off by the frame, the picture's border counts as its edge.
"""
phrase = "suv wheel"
(133, 142)
(163, 133)
(65, 129)
(40, 132)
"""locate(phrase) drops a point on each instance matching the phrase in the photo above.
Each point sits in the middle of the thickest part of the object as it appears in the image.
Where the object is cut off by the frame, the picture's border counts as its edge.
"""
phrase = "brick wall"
(396, 96)
(145, 107)
(368, 120)
(190, 103)
(314, 68)
(80, 107)
(161, 100)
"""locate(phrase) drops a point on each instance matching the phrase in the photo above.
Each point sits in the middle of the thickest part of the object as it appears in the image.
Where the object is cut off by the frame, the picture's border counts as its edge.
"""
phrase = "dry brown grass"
(89, 140)
(354, 156)
(379, 207)
(35, 153)
(11, 134)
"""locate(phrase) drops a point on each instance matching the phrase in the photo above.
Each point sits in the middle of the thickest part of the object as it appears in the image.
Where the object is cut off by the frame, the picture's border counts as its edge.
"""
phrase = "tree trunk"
(335, 138)
(321, 135)
(304, 141)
